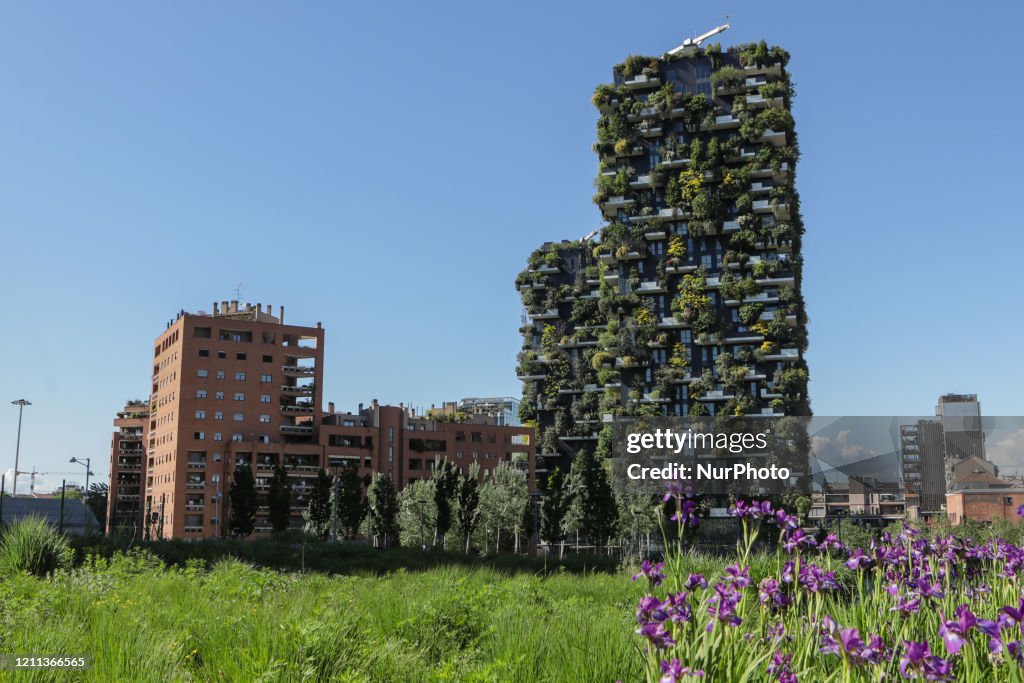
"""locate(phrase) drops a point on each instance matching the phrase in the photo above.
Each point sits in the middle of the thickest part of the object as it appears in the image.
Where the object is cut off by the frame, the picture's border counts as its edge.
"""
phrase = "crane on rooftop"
(691, 44)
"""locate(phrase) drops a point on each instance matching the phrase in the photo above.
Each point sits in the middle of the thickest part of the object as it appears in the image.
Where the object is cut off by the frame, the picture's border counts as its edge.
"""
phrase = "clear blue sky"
(386, 169)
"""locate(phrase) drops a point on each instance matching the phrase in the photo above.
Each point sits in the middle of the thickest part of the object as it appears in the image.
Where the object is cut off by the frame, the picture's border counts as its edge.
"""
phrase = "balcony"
(655, 234)
(551, 314)
(726, 121)
(716, 395)
(642, 182)
(127, 435)
(195, 485)
(786, 355)
(651, 288)
(298, 370)
(730, 226)
(544, 269)
(775, 137)
(288, 390)
(196, 464)
(760, 186)
(642, 81)
(194, 507)
(297, 409)
(668, 323)
(297, 429)
(612, 206)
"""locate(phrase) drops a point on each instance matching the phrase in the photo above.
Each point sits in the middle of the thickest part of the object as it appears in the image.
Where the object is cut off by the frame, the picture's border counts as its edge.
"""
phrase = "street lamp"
(21, 403)
(88, 471)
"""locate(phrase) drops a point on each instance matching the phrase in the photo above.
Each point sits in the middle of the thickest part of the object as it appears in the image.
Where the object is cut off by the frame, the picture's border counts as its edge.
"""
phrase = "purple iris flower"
(722, 606)
(954, 632)
(737, 576)
(674, 672)
(657, 635)
(928, 590)
(653, 572)
(858, 560)
(906, 606)
(816, 579)
(918, 661)
(779, 667)
(696, 581)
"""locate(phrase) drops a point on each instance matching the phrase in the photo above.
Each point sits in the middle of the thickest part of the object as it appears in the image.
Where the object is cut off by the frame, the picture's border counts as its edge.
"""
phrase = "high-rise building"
(234, 386)
(127, 467)
(687, 300)
(935, 454)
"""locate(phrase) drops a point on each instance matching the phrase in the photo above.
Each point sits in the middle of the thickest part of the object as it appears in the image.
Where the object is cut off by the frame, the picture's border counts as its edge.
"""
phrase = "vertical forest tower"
(687, 300)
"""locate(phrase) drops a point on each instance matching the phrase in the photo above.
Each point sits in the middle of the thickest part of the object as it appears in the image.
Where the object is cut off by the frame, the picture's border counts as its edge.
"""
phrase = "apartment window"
(202, 372)
(201, 332)
(264, 398)
(391, 434)
(217, 436)
(240, 355)
(264, 418)
(222, 354)
(476, 437)
(200, 393)
(199, 436)
(200, 414)
(238, 417)
(219, 395)
(218, 415)
(268, 359)
(391, 454)
(266, 379)
(204, 353)
(458, 454)
(220, 374)
(216, 458)
(239, 396)
(236, 437)
(240, 376)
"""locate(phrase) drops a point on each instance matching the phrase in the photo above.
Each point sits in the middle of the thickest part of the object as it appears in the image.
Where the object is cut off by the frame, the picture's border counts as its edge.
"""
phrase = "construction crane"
(33, 474)
(691, 44)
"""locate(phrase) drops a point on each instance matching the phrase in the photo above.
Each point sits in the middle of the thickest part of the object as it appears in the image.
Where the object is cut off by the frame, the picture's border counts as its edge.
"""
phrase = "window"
(391, 434)
(266, 379)
(204, 353)
(200, 414)
(238, 417)
(202, 372)
(200, 393)
(240, 355)
(240, 376)
(220, 374)
(236, 437)
(264, 418)
(264, 398)
(201, 332)
(268, 359)
(391, 454)
(219, 395)
(239, 396)
(199, 436)
(222, 354)
(217, 436)
(218, 415)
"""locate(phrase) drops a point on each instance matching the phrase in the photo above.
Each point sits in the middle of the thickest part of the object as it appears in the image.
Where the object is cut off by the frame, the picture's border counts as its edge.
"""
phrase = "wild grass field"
(138, 620)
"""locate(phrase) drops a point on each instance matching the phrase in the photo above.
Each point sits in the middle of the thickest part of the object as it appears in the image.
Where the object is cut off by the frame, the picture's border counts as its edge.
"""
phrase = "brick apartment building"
(237, 386)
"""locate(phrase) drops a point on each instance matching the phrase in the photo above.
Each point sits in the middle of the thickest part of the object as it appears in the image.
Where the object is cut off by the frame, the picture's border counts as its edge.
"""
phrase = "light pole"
(216, 482)
(86, 464)
(21, 403)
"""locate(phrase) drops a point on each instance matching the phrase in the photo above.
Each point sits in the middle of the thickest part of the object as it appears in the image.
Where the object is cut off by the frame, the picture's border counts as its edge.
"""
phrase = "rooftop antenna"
(690, 45)
(238, 292)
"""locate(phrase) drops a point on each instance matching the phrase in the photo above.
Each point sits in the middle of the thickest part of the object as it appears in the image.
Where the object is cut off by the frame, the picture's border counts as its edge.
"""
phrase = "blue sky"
(386, 168)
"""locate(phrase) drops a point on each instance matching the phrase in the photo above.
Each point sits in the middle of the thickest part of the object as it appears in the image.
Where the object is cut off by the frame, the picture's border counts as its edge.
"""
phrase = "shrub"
(32, 545)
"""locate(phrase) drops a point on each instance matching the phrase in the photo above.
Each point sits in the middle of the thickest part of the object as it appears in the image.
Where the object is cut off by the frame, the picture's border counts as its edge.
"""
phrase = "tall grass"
(31, 545)
(234, 622)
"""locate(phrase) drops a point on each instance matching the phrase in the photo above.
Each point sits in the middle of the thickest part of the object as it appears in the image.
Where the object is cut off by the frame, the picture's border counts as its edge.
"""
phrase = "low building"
(985, 504)
(862, 499)
(70, 515)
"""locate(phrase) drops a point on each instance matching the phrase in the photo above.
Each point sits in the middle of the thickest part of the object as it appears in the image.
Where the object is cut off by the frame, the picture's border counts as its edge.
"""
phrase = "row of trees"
(451, 509)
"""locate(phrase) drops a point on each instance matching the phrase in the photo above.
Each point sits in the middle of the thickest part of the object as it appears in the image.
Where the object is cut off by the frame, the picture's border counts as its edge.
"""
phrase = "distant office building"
(127, 468)
(936, 453)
